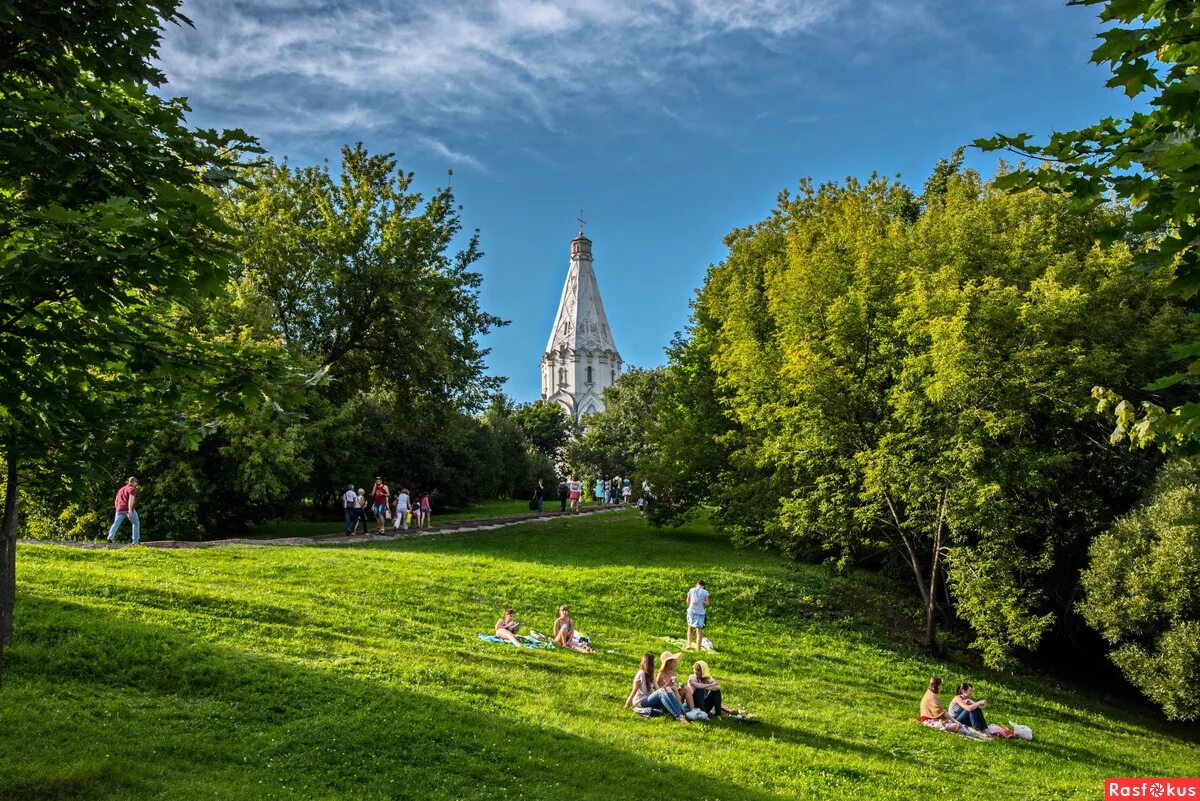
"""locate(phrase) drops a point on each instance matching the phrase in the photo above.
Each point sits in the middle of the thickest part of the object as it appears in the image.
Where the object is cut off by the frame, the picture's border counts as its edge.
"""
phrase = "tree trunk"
(935, 573)
(8, 555)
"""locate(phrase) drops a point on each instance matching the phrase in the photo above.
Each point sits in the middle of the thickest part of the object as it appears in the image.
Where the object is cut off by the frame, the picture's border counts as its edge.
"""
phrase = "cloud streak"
(296, 67)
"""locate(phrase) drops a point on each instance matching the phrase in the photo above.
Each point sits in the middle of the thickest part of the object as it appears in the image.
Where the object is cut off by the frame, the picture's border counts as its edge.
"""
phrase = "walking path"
(457, 526)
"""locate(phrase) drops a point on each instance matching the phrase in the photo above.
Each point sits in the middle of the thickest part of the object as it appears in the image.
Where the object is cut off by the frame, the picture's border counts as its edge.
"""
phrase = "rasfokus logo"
(1151, 788)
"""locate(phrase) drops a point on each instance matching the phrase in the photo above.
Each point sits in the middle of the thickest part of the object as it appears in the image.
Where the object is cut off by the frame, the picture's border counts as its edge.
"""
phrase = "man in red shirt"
(380, 500)
(124, 504)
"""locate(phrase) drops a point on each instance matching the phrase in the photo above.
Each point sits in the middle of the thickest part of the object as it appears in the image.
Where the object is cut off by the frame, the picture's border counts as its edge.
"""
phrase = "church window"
(562, 376)
(589, 375)
(614, 376)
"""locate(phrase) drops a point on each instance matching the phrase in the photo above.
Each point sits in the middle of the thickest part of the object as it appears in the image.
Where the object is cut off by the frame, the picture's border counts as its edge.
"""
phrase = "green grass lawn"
(355, 673)
(311, 528)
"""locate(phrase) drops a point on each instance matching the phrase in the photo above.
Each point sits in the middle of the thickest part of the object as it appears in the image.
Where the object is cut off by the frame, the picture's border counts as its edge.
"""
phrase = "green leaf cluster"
(909, 377)
(1143, 592)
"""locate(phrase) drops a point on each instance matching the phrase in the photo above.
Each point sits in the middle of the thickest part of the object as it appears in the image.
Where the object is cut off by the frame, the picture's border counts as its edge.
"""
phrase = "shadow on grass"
(110, 708)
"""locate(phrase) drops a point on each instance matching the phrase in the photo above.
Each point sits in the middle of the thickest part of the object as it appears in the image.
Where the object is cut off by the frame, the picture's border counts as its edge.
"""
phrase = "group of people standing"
(615, 490)
(404, 509)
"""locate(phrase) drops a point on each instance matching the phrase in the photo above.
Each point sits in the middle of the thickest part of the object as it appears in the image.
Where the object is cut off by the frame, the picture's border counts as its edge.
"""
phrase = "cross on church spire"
(581, 222)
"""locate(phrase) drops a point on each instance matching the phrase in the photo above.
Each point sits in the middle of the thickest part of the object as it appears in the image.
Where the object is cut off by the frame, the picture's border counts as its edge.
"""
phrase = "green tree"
(1143, 592)
(921, 387)
(1148, 160)
(615, 441)
(547, 425)
(109, 240)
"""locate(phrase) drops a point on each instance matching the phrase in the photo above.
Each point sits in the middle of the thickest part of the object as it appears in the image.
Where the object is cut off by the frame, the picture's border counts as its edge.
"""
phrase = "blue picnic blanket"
(525, 642)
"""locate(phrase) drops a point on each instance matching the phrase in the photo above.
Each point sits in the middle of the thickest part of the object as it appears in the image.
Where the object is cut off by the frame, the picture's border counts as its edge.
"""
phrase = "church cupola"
(581, 357)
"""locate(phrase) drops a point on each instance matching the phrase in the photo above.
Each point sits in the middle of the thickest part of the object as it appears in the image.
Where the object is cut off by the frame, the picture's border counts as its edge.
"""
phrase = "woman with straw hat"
(646, 694)
(668, 679)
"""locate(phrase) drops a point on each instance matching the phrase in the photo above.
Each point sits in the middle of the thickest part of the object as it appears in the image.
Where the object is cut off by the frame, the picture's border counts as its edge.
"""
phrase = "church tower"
(581, 358)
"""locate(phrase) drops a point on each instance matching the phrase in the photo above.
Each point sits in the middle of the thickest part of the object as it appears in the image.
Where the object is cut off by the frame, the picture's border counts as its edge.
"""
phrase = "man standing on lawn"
(380, 501)
(697, 611)
(124, 504)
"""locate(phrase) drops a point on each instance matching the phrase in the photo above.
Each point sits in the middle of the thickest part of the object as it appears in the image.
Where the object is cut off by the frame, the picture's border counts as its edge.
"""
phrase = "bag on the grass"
(1024, 732)
(696, 714)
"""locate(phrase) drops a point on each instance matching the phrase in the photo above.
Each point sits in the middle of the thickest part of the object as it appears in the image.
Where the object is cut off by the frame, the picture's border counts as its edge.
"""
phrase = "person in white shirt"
(402, 506)
(697, 611)
(348, 498)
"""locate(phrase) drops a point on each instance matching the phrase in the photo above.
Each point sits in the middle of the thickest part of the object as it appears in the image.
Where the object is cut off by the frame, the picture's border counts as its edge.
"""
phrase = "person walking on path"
(539, 494)
(626, 491)
(563, 495)
(426, 510)
(598, 491)
(697, 611)
(124, 505)
(360, 512)
(402, 504)
(576, 489)
(380, 499)
(348, 499)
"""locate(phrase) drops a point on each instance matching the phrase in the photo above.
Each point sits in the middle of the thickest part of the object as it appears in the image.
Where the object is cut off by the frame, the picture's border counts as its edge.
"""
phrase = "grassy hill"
(249, 672)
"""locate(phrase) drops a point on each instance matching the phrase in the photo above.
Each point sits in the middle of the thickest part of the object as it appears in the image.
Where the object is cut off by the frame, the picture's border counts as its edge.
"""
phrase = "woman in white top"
(402, 503)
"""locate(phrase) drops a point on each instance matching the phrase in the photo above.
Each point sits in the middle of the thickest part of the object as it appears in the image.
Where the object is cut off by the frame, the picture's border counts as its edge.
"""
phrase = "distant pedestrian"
(381, 496)
(626, 491)
(563, 495)
(426, 510)
(575, 487)
(402, 504)
(125, 504)
(697, 612)
(539, 494)
(598, 491)
(348, 499)
(360, 511)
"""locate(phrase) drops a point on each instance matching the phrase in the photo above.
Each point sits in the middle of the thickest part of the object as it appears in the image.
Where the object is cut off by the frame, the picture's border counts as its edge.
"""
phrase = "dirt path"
(486, 524)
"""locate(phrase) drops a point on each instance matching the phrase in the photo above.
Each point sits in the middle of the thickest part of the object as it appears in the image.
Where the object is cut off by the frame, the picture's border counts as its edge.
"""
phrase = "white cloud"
(303, 67)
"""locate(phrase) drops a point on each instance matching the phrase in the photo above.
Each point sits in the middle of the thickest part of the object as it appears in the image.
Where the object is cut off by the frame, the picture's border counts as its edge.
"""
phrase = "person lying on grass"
(668, 679)
(646, 694)
(932, 713)
(564, 632)
(507, 628)
(966, 710)
(706, 690)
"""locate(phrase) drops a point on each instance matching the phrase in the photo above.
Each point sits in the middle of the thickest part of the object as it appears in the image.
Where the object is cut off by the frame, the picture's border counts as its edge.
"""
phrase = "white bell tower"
(581, 357)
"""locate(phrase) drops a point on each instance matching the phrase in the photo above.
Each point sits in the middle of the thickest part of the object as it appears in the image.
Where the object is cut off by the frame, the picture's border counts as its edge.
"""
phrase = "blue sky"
(669, 122)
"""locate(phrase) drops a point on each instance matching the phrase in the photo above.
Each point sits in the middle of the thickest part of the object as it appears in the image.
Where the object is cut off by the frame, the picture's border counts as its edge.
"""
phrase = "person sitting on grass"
(668, 679)
(645, 694)
(932, 713)
(564, 632)
(966, 710)
(507, 628)
(706, 690)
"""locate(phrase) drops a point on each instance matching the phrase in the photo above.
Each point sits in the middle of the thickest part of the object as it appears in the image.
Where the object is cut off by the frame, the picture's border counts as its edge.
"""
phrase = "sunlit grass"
(250, 672)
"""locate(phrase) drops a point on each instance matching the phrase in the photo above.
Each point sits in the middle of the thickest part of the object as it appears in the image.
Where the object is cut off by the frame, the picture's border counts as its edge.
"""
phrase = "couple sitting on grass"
(665, 693)
(564, 631)
(965, 715)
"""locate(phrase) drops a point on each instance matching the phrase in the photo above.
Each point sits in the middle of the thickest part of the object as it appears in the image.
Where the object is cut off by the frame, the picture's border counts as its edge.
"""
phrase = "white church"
(581, 357)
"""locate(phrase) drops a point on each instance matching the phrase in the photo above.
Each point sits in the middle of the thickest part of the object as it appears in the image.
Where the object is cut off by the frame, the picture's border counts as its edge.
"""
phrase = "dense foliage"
(1151, 160)
(352, 276)
(1143, 592)
(110, 239)
(910, 376)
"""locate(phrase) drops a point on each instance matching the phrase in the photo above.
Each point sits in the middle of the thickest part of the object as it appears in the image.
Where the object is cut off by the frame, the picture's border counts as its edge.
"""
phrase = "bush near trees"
(911, 375)
(1143, 592)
